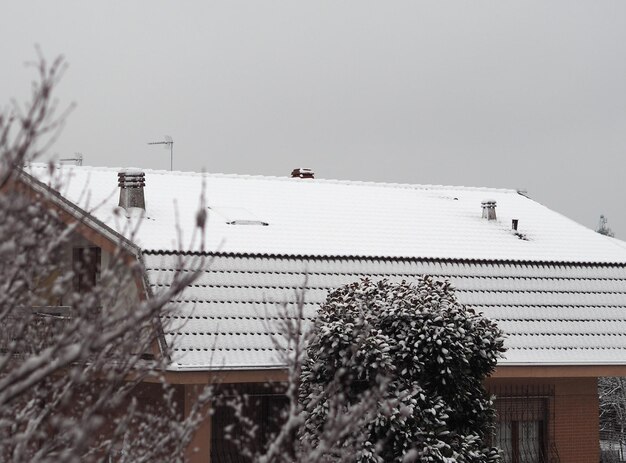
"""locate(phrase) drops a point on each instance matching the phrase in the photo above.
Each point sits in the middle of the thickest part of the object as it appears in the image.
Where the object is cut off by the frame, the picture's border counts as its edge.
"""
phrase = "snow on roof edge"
(407, 186)
(218, 368)
(275, 367)
(168, 252)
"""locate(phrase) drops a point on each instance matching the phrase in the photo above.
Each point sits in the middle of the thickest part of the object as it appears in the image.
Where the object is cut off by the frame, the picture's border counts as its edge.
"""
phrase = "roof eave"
(78, 213)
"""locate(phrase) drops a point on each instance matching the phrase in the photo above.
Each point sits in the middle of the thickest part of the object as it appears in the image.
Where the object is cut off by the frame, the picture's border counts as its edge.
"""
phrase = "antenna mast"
(167, 142)
(77, 159)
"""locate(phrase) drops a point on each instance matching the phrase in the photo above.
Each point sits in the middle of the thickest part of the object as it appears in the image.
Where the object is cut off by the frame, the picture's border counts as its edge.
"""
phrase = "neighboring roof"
(338, 218)
(552, 314)
(77, 213)
(556, 288)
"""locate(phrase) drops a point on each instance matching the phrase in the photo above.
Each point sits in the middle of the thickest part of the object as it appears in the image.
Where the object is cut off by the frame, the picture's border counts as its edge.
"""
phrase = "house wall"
(573, 429)
(572, 426)
(127, 295)
(577, 425)
(199, 449)
(150, 399)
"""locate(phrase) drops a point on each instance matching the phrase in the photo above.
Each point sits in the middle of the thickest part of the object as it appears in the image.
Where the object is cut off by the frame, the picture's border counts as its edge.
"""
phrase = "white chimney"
(489, 209)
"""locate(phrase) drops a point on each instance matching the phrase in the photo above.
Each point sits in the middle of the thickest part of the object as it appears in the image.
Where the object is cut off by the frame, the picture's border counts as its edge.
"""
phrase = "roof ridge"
(371, 183)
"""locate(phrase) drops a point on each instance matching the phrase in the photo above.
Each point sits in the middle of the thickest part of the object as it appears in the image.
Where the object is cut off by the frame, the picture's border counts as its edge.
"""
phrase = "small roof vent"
(489, 209)
(302, 172)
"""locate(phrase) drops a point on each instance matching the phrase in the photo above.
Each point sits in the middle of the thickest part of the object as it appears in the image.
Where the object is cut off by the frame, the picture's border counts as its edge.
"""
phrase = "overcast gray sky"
(505, 94)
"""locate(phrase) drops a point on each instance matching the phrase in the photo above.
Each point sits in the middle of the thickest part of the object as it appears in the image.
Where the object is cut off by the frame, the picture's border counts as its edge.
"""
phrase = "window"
(86, 267)
(521, 429)
(263, 406)
(524, 422)
(521, 441)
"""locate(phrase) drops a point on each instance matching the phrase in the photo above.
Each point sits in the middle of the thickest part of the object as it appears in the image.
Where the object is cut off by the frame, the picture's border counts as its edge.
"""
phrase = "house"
(556, 288)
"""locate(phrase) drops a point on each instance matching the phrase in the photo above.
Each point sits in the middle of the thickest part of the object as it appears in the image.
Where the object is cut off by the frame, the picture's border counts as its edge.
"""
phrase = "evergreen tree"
(430, 352)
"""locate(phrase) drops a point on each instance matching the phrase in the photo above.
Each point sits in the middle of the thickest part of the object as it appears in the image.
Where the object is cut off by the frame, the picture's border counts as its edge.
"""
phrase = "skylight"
(237, 216)
(248, 222)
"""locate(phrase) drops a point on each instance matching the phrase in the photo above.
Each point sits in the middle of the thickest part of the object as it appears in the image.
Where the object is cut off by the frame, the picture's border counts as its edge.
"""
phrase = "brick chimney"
(131, 183)
(302, 172)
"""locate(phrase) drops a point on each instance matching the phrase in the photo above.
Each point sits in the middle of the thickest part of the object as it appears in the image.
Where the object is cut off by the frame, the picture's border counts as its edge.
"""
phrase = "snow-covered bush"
(430, 352)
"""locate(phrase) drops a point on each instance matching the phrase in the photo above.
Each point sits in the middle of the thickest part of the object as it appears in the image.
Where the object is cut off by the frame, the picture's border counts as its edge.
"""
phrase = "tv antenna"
(77, 159)
(167, 142)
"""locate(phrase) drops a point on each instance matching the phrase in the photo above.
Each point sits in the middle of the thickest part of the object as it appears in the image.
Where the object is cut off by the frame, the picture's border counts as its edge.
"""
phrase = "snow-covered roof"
(572, 314)
(271, 215)
(555, 287)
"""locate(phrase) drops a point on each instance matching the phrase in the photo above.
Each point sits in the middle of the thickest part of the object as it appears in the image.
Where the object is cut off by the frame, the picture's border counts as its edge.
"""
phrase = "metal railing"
(525, 423)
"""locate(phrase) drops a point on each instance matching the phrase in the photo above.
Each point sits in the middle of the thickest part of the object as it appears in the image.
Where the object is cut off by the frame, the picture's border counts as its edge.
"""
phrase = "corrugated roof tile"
(552, 314)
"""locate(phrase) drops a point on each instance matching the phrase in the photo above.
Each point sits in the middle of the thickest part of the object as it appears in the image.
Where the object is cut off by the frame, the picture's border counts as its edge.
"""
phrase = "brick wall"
(577, 428)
